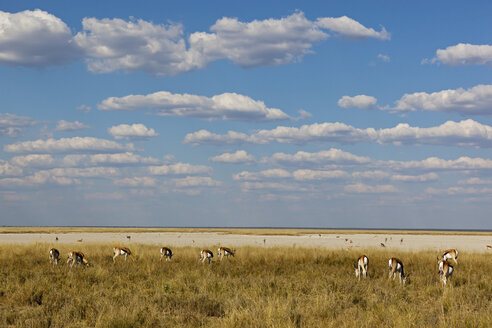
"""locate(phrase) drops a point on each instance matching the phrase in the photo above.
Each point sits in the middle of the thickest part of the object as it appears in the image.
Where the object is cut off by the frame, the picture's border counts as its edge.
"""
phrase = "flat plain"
(264, 285)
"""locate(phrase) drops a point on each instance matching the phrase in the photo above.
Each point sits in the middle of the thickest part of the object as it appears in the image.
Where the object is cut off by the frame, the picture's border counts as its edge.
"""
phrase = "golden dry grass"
(260, 287)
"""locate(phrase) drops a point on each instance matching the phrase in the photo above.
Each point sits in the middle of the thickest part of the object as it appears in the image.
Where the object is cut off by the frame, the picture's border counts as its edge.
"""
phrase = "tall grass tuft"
(260, 287)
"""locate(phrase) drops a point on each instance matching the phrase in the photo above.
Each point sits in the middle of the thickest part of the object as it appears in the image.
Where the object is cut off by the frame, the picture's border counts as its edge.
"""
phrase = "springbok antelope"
(488, 247)
(361, 266)
(166, 252)
(450, 254)
(54, 256)
(76, 257)
(445, 270)
(395, 265)
(224, 251)
(206, 254)
(117, 251)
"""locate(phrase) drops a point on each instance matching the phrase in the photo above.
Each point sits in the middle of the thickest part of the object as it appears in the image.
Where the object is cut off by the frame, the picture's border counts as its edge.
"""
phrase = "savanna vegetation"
(260, 287)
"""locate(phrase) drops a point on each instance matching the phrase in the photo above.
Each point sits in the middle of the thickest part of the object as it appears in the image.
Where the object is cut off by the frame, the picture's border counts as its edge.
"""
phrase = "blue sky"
(234, 113)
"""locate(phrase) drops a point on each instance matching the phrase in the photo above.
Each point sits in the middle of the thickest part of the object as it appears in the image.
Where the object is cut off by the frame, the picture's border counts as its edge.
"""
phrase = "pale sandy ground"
(412, 242)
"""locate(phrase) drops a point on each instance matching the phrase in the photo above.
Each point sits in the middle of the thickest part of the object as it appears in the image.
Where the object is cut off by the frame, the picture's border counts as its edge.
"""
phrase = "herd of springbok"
(396, 267)
(361, 267)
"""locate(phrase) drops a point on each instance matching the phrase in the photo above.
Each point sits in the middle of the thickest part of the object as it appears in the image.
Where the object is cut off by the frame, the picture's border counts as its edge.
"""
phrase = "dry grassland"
(260, 287)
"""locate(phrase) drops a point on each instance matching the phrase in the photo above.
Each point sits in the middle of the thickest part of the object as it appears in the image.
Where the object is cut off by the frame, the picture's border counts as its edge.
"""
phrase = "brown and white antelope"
(450, 254)
(445, 270)
(396, 266)
(76, 258)
(206, 254)
(488, 247)
(117, 251)
(167, 253)
(54, 256)
(224, 251)
(361, 266)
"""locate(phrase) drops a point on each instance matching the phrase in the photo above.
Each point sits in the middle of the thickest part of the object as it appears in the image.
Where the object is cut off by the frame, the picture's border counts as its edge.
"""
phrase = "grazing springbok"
(224, 251)
(54, 256)
(361, 266)
(76, 258)
(445, 270)
(450, 254)
(117, 251)
(206, 254)
(488, 247)
(395, 265)
(166, 252)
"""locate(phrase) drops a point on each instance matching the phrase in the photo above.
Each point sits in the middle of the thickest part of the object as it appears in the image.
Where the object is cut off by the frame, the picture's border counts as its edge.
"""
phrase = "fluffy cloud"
(226, 106)
(350, 28)
(371, 175)
(324, 157)
(464, 54)
(37, 179)
(180, 169)
(360, 101)
(115, 44)
(465, 133)
(257, 43)
(33, 160)
(7, 169)
(68, 145)
(88, 172)
(204, 137)
(299, 175)
(324, 132)
(131, 132)
(435, 163)
(34, 39)
(361, 188)
(69, 126)
(473, 101)
(239, 157)
(12, 125)
(119, 159)
(37, 38)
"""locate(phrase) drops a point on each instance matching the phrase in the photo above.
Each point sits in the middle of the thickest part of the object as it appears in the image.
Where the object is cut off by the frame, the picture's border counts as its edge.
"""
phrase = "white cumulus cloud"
(465, 133)
(238, 157)
(465, 54)
(63, 125)
(351, 28)
(474, 101)
(226, 106)
(360, 101)
(68, 145)
(131, 132)
(180, 169)
(324, 157)
(34, 38)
